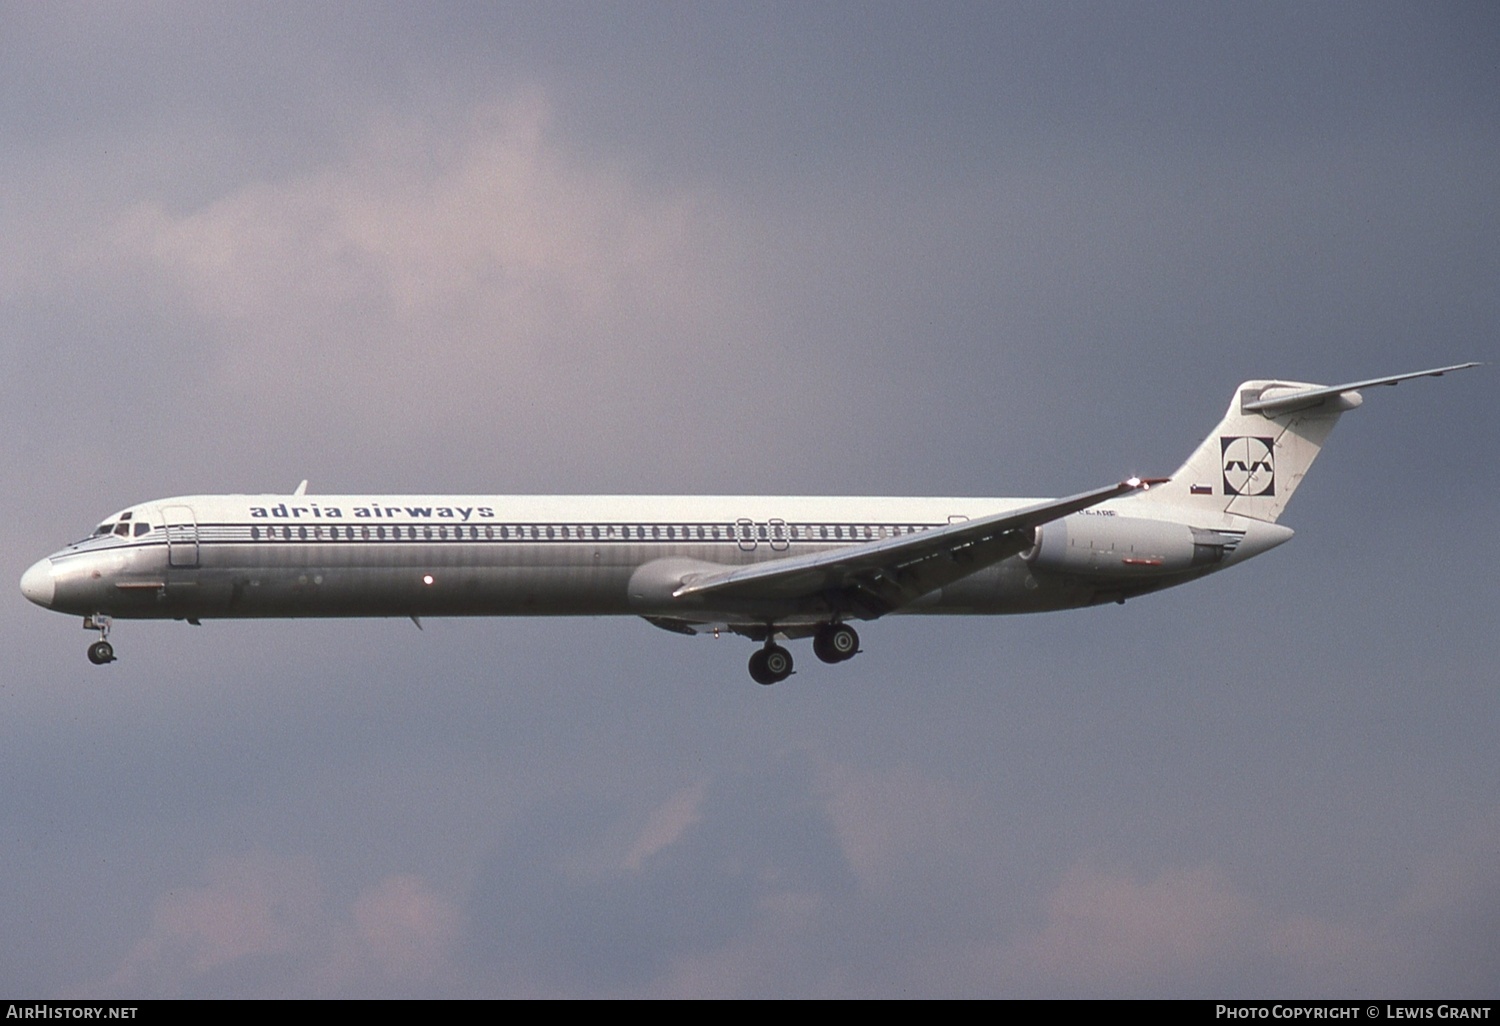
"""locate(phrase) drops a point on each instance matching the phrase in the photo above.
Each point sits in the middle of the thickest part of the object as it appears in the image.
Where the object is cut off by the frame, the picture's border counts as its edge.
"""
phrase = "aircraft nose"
(37, 583)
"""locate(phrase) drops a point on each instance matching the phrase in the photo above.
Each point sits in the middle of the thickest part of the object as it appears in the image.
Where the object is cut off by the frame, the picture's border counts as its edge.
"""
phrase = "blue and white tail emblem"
(1249, 465)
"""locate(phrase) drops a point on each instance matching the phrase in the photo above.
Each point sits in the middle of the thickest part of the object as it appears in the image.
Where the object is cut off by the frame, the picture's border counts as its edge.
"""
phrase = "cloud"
(796, 879)
(1191, 932)
(886, 819)
(718, 868)
(263, 926)
(474, 294)
(400, 938)
(251, 908)
(435, 280)
(1112, 934)
(666, 825)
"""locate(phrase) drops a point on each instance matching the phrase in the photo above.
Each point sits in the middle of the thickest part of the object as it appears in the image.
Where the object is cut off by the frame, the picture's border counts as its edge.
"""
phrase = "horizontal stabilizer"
(1310, 397)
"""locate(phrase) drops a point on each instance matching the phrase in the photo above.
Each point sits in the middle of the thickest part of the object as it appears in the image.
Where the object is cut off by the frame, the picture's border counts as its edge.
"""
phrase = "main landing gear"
(834, 643)
(771, 665)
(101, 651)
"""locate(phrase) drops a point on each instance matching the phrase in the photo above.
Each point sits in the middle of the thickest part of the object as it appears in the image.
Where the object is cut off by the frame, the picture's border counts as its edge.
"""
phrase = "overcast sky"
(958, 249)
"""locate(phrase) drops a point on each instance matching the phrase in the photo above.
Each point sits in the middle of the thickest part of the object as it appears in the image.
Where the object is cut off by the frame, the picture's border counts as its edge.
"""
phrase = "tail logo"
(1249, 465)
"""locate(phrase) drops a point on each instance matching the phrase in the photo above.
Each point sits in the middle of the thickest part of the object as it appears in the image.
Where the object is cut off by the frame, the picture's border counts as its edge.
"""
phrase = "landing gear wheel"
(778, 662)
(835, 643)
(770, 665)
(101, 652)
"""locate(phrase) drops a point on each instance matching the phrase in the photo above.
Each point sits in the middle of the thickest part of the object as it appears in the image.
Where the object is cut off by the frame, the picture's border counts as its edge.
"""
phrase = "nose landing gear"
(101, 651)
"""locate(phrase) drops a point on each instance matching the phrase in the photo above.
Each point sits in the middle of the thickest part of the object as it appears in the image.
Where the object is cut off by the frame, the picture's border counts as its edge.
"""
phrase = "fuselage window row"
(742, 533)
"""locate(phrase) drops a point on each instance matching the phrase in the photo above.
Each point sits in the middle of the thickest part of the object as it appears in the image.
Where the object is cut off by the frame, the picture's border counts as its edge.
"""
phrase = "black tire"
(777, 662)
(758, 671)
(101, 652)
(836, 643)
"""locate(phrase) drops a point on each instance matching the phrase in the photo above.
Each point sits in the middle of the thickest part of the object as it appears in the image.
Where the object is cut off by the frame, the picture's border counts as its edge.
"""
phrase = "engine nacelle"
(1102, 545)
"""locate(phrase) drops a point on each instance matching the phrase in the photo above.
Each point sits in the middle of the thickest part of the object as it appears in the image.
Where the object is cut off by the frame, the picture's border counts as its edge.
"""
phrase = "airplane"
(770, 569)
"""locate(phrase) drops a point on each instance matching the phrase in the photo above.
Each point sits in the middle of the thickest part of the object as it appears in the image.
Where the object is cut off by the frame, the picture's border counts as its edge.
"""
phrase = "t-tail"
(1262, 449)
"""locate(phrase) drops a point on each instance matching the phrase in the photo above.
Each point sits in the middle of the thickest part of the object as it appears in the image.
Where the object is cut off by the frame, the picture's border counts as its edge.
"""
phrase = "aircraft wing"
(873, 579)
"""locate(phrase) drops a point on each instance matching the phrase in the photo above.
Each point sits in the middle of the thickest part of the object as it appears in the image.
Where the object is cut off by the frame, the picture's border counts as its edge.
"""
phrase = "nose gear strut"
(101, 651)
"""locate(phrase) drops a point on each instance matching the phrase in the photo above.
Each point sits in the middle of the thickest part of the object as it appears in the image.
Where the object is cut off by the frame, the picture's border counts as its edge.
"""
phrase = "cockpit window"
(141, 528)
(122, 529)
(103, 529)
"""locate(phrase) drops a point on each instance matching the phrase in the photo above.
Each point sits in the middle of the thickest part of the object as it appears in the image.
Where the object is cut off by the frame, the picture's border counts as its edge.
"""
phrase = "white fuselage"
(214, 556)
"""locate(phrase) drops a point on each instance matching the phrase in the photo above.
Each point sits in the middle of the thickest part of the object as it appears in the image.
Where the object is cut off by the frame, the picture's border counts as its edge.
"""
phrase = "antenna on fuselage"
(301, 488)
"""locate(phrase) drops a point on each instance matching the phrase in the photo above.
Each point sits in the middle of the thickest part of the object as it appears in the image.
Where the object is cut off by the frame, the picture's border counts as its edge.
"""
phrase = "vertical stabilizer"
(1255, 459)
(1261, 450)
